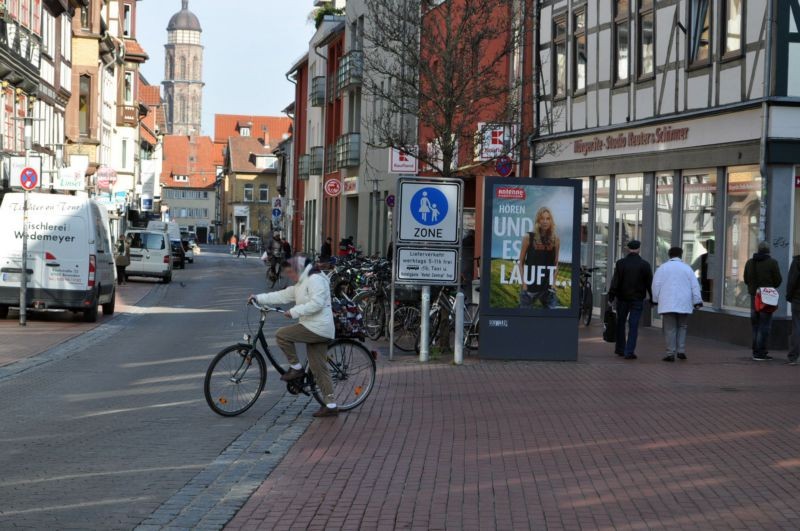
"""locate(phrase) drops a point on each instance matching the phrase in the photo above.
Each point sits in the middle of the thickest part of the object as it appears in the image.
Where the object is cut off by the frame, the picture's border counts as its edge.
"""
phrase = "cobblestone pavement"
(711, 443)
(102, 431)
(48, 329)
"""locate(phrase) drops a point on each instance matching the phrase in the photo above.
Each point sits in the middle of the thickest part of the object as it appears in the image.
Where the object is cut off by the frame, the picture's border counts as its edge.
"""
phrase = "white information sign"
(70, 179)
(18, 164)
(428, 266)
(430, 211)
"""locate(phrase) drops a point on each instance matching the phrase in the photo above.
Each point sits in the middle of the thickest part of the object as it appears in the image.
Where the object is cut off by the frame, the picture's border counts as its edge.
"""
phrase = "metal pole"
(424, 352)
(23, 283)
(393, 293)
(458, 352)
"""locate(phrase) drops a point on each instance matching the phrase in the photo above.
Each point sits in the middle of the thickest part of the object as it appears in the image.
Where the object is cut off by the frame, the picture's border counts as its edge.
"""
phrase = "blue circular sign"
(429, 206)
(29, 178)
(504, 166)
(276, 212)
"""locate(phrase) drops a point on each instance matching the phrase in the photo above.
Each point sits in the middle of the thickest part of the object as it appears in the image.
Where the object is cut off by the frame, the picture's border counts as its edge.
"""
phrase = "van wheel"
(108, 308)
(90, 315)
(3, 312)
(167, 279)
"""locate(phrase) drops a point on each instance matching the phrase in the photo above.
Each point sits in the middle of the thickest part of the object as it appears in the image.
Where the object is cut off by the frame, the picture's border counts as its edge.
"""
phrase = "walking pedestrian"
(287, 248)
(630, 285)
(326, 251)
(242, 248)
(793, 296)
(761, 271)
(122, 259)
(233, 242)
(676, 291)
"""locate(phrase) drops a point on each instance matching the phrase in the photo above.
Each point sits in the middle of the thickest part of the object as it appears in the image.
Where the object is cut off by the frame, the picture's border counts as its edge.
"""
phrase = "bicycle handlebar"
(265, 309)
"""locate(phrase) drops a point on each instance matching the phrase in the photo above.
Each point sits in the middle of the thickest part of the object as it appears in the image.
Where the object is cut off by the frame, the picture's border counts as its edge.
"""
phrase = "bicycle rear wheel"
(406, 327)
(374, 313)
(352, 369)
(233, 381)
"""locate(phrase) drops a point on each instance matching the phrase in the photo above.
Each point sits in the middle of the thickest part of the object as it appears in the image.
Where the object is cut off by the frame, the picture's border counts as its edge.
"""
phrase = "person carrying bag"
(762, 274)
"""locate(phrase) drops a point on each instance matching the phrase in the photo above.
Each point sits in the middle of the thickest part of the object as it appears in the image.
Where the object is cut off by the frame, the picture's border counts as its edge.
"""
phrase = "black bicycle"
(586, 297)
(238, 374)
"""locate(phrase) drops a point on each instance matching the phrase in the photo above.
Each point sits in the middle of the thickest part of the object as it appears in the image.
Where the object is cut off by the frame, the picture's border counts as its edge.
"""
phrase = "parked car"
(253, 244)
(151, 255)
(178, 254)
(188, 250)
(70, 254)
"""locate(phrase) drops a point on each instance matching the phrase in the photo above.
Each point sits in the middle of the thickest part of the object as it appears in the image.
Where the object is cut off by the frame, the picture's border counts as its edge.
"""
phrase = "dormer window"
(244, 131)
(180, 178)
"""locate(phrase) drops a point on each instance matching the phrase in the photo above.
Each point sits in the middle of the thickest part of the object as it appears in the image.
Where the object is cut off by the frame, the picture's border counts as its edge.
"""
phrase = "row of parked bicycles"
(366, 283)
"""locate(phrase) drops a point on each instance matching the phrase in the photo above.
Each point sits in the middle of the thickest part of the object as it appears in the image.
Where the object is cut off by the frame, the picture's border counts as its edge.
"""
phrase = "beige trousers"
(316, 347)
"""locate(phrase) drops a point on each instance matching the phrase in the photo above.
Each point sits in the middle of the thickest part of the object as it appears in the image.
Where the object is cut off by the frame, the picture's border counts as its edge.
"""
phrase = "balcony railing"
(348, 150)
(318, 91)
(303, 167)
(316, 164)
(127, 115)
(330, 159)
(351, 70)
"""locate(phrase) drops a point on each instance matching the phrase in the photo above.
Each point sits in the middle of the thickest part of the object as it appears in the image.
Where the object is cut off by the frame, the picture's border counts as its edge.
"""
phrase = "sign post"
(28, 179)
(427, 240)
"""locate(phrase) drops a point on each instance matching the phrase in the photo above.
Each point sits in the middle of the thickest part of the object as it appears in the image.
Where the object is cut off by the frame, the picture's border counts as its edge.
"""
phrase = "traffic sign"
(504, 166)
(430, 211)
(28, 178)
(276, 212)
(333, 187)
(390, 200)
(430, 266)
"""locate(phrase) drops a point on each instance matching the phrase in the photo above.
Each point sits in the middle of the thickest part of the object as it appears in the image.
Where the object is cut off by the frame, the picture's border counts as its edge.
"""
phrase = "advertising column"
(531, 263)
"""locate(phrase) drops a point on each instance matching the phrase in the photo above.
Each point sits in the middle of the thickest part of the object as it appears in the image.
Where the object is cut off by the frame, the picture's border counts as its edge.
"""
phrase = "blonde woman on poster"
(538, 262)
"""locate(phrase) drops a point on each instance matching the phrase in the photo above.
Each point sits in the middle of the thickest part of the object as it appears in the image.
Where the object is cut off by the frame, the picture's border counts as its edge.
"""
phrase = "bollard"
(458, 351)
(425, 324)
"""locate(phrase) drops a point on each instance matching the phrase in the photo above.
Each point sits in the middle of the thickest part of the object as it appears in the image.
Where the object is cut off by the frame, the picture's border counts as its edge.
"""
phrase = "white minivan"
(151, 254)
(70, 254)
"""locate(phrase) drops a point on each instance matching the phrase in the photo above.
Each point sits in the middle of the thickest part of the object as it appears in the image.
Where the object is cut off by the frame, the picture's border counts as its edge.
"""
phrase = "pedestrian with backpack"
(762, 274)
(676, 291)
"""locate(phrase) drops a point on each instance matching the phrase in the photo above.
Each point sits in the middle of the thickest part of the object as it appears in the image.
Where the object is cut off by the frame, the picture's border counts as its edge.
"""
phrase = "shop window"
(665, 205)
(579, 50)
(742, 207)
(699, 31)
(248, 193)
(602, 216)
(560, 54)
(732, 31)
(621, 40)
(699, 227)
(646, 38)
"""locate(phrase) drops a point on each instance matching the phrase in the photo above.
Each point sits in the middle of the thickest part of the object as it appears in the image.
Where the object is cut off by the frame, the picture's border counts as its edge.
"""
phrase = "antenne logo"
(510, 192)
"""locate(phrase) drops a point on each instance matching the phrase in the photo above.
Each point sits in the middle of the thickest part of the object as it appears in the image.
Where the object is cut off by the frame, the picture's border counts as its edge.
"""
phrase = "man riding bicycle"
(312, 297)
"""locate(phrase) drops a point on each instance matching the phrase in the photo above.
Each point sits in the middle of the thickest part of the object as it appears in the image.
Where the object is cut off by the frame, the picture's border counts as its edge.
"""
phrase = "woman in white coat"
(676, 291)
(312, 297)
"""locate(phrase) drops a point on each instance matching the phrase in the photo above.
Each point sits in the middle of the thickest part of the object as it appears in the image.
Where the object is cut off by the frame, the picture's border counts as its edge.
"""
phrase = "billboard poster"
(529, 278)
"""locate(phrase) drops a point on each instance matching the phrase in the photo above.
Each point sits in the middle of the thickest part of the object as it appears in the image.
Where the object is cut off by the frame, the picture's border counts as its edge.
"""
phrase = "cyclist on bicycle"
(312, 297)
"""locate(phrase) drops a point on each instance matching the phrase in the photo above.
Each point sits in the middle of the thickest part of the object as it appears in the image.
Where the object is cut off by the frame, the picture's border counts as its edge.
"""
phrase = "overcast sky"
(249, 46)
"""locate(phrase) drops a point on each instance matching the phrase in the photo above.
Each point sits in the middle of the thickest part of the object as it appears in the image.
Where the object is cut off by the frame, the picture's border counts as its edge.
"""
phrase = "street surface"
(101, 438)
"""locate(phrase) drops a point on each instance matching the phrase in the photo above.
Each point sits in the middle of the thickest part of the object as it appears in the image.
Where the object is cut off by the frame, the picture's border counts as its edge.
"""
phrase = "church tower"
(183, 78)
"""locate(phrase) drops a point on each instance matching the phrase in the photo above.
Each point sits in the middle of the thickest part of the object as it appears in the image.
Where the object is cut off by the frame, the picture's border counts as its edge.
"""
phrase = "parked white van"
(70, 254)
(151, 254)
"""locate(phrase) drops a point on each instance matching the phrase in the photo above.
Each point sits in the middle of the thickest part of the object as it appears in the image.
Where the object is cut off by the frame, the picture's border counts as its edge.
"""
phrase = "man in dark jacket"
(761, 271)
(630, 285)
(793, 296)
(327, 250)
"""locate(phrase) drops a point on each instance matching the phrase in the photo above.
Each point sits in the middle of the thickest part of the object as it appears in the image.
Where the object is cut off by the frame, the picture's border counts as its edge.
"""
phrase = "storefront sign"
(333, 187)
(69, 179)
(350, 185)
(530, 269)
(403, 161)
(427, 266)
(241, 211)
(715, 130)
(106, 177)
(495, 140)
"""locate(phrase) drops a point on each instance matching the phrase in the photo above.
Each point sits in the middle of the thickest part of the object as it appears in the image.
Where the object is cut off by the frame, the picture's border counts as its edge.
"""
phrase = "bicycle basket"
(347, 318)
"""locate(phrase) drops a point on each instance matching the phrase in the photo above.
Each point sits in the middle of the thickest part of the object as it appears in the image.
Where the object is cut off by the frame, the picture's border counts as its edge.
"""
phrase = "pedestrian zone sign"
(430, 211)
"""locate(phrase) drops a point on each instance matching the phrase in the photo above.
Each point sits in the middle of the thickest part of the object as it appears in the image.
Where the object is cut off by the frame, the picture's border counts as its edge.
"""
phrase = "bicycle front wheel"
(234, 380)
(374, 313)
(352, 369)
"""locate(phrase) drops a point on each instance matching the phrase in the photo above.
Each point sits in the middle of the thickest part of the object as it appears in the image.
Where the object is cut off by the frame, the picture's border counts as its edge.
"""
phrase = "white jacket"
(312, 298)
(675, 288)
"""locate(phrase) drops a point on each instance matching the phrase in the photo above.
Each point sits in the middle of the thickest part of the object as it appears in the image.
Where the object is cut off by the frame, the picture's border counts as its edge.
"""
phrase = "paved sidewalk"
(48, 329)
(711, 443)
